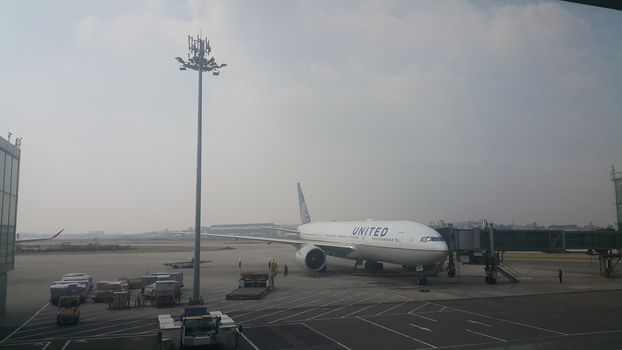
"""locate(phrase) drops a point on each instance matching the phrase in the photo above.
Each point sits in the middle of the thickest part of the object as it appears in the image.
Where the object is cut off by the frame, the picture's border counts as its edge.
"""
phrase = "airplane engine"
(311, 258)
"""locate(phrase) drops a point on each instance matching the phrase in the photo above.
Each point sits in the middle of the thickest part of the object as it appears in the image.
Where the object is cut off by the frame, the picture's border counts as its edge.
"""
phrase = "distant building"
(259, 229)
(9, 179)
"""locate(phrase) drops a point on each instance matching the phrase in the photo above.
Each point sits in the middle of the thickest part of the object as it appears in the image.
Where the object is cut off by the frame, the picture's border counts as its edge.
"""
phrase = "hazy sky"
(381, 109)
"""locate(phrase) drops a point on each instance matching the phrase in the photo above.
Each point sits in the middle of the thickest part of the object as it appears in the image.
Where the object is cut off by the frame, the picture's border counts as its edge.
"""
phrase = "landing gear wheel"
(491, 280)
(451, 273)
(422, 280)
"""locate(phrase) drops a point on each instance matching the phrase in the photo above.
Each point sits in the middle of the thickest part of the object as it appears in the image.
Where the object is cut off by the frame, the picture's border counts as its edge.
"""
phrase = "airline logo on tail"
(305, 218)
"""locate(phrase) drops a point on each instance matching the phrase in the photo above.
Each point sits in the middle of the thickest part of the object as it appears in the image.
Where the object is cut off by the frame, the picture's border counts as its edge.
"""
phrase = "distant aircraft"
(406, 243)
(38, 239)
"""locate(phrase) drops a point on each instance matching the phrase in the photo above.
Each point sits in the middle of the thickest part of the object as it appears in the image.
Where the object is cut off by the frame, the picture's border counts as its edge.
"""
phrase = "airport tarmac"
(331, 310)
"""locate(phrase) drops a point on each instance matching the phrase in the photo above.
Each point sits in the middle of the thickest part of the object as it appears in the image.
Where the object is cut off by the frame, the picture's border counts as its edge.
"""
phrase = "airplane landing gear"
(491, 275)
(356, 264)
(451, 273)
(422, 280)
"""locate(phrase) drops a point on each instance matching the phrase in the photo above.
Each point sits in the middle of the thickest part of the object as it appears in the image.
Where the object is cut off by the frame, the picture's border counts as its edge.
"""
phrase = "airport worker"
(285, 270)
(559, 274)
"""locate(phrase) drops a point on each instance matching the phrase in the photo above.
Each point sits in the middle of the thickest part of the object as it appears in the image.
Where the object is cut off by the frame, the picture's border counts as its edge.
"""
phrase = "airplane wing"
(278, 229)
(329, 247)
(39, 239)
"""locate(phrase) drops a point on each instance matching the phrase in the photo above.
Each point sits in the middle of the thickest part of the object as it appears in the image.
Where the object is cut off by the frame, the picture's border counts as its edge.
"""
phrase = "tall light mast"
(199, 60)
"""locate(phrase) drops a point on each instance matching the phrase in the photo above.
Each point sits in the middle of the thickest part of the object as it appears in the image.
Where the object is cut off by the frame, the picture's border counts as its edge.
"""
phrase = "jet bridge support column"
(608, 260)
(452, 243)
(491, 258)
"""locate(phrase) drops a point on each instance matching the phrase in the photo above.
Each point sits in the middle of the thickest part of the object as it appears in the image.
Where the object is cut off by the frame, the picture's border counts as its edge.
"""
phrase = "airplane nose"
(442, 249)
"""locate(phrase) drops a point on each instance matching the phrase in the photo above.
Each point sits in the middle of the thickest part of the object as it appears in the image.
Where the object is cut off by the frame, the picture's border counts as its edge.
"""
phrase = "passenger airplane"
(406, 243)
(38, 239)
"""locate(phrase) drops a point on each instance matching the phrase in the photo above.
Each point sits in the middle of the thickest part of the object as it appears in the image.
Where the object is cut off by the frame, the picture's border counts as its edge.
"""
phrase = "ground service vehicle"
(197, 327)
(68, 310)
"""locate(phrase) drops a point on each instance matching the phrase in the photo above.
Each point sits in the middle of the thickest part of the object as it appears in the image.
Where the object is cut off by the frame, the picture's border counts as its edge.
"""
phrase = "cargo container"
(147, 280)
(175, 276)
(120, 300)
(105, 289)
(78, 276)
(67, 288)
(163, 293)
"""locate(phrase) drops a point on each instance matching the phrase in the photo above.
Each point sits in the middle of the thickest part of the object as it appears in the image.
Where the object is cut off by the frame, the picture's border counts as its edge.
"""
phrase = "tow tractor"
(68, 310)
(197, 327)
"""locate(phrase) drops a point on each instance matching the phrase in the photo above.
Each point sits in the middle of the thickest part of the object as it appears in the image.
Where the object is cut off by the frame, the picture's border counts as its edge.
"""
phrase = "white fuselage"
(399, 242)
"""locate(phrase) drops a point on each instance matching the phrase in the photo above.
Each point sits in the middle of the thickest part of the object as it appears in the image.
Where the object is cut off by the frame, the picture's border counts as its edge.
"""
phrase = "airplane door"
(399, 240)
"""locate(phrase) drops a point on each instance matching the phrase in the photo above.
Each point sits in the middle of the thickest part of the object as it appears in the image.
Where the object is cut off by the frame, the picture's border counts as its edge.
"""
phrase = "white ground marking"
(261, 304)
(297, 306)
(38, 323)
(262, 316)
(483, 324)
(81, 339)
(396, 332)
(108, 326)
(280, 304)
(66, 344)
(339, 308)
(25, 323)
(279, 311)
(425, 318)
(299, 313)
(598, 332)
(365, 308)
(122, 330)
(31, 328)
(418, 307)
(124, 319)
(46, 345)
(338, 300)
(486, 335)
(248, 341)
(72, 328)
(148, 331)
(512, 322)
(391, 308)
(325, 336)
(422, 328)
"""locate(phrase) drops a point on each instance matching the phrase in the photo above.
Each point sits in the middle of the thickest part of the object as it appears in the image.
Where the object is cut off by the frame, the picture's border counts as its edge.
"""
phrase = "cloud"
(153, 25)
(381, 108)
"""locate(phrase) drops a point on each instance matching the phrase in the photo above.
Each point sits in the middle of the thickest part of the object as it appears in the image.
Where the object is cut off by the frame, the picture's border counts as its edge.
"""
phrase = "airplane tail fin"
(305, 218)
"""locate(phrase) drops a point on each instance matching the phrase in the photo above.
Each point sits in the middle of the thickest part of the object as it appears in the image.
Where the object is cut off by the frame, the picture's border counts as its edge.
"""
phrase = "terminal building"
(9, 180)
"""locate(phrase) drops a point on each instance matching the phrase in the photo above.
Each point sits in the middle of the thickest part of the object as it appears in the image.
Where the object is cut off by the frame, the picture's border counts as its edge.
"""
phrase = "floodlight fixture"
(200, 48)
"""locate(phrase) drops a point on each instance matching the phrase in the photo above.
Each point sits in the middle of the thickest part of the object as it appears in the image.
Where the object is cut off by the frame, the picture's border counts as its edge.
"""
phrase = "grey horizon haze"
(380, 109)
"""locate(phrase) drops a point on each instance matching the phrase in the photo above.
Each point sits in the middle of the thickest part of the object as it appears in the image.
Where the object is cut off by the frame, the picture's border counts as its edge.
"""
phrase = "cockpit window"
(431, 239)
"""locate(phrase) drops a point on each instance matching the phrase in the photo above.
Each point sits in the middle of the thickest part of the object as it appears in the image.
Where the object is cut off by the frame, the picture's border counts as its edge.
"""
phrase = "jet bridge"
(485, 246)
